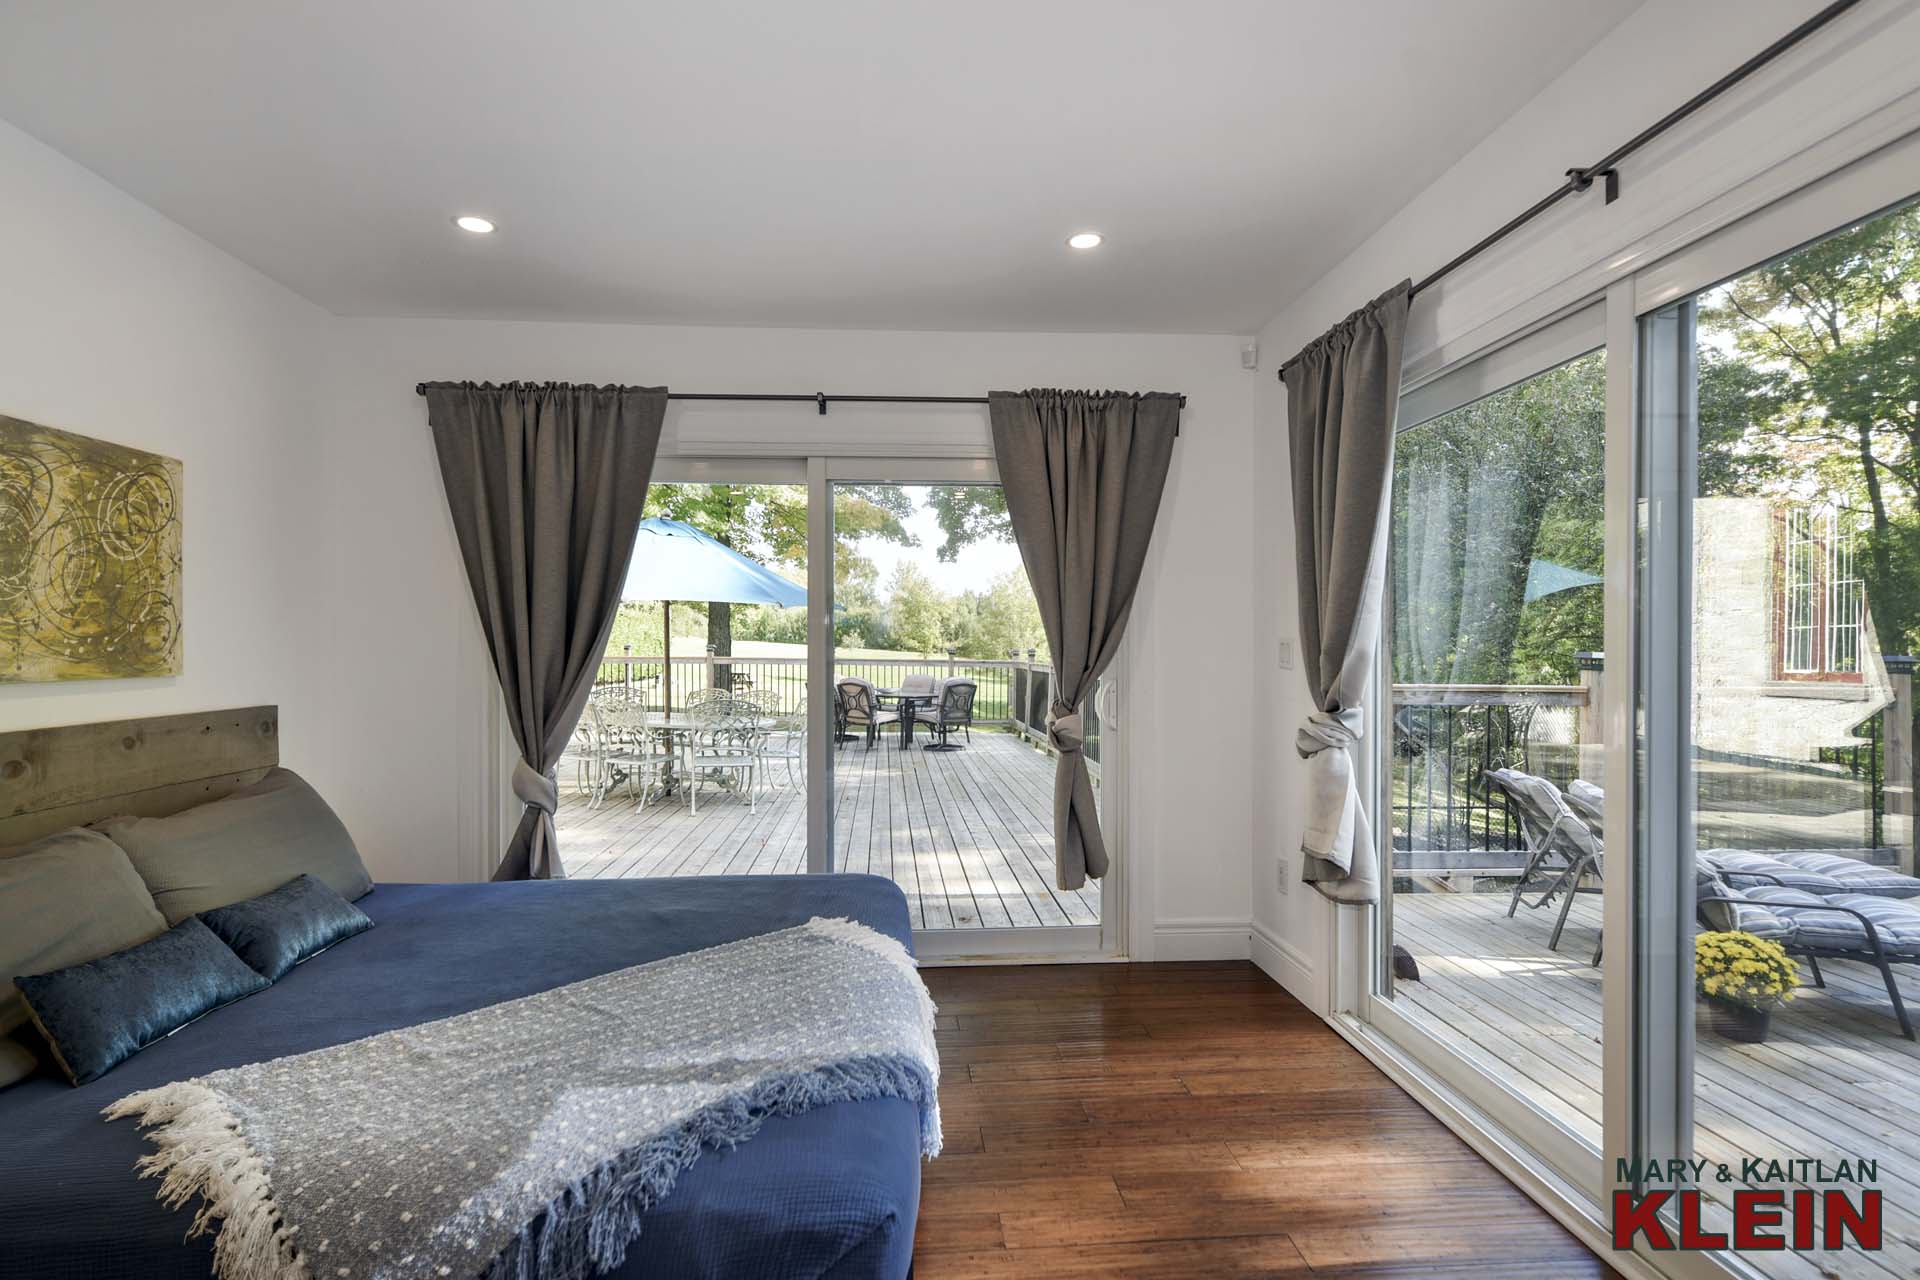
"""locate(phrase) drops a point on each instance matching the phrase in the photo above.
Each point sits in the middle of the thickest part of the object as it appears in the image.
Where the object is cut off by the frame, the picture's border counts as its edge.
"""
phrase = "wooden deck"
(1835, 1079)
(967, 835)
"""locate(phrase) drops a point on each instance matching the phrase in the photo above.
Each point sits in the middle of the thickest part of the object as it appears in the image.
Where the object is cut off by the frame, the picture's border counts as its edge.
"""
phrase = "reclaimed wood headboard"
(51, 779)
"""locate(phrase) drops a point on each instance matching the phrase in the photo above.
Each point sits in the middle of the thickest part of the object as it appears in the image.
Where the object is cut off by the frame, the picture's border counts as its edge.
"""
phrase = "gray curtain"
(1082, 472)
(1343, 391)
(546, 483)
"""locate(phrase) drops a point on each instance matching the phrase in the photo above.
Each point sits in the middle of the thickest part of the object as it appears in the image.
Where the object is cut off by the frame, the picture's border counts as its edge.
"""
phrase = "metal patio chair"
(859, 708)
(953, 710)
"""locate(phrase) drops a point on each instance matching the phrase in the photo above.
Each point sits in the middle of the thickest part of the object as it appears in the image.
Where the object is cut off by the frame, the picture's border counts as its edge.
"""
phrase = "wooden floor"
(1834, 1080)
(1188, 1120)
(967, 835)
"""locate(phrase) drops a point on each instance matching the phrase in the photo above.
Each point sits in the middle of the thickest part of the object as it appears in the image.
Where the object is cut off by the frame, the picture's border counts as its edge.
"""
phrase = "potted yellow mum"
(1743, 979)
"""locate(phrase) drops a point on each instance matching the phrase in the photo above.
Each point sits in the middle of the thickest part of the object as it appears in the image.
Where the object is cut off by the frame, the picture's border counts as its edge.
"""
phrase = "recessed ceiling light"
(1085, 240)
(474, 223)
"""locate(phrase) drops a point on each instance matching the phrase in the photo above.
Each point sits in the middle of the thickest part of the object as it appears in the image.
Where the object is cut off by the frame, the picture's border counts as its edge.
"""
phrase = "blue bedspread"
(833, 1192)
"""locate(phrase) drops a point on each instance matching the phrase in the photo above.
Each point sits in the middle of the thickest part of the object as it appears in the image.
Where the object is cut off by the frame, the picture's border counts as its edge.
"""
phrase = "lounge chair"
(1561, 850)
(1879, 931)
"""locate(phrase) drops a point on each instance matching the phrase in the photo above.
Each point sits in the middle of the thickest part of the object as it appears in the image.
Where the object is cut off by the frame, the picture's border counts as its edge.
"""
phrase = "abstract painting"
(89, 558)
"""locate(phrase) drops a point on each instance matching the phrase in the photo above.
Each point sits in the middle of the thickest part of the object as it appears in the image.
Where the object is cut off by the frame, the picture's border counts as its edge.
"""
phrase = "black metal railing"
(640, 677)
(1445, 739)
(1447, 818)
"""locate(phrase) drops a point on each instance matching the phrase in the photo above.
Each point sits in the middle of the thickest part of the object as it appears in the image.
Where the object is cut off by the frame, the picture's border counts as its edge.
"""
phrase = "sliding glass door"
(1778, 918)
(689, 758)
(1647, 760)
(942, 779)
(838, 665)
(1496, 568)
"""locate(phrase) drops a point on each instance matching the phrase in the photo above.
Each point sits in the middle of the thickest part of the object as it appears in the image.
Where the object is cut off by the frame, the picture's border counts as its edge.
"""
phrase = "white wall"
(398, 742)
(1819, 100)
(320, 566)
(116, 323)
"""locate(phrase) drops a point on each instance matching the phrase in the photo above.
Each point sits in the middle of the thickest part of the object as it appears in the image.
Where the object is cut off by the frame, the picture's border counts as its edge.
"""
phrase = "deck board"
(1834, 1080)
(967, 835)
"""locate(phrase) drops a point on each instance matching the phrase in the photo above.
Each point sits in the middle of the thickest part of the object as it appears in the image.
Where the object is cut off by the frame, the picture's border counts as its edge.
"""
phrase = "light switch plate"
(1286, 655)
(1280, 873)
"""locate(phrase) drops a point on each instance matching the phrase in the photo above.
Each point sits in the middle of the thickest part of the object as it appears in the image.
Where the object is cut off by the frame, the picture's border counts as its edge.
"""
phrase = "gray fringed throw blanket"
(526, 1139)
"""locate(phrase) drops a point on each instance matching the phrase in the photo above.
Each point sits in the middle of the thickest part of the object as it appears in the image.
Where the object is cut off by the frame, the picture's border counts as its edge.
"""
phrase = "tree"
(769, 523)
(1473, 490)
(968, 513)
(1832, 334)
(916, 611)
(1006, 618)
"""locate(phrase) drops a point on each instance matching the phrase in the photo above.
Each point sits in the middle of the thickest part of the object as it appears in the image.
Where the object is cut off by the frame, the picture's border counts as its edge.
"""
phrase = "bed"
(829, 1192)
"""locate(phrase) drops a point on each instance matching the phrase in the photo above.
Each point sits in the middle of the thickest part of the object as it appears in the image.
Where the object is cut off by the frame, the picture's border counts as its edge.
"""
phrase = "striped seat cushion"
(1896, 922)
(1745, 868)
(1731, 910)
(1853, 875)
(1810, 920)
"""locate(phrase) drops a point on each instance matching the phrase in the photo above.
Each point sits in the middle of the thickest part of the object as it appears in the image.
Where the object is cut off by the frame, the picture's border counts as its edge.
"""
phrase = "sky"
(979, 563)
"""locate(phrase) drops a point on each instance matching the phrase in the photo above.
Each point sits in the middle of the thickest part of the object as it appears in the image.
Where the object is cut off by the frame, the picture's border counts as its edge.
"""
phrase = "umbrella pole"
(666, 644)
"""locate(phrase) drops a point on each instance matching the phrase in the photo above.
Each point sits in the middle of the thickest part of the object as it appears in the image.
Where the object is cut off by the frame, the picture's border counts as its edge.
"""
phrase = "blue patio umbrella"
(1545, 578)
(675, 561)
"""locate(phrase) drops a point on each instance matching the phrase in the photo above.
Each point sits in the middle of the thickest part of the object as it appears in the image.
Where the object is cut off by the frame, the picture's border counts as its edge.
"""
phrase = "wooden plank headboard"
(51, 779)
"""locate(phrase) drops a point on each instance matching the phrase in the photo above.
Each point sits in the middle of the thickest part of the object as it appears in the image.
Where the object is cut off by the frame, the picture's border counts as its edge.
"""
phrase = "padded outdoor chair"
(1860, 927)
(952, 710)
(859, 708)
(1561, 849)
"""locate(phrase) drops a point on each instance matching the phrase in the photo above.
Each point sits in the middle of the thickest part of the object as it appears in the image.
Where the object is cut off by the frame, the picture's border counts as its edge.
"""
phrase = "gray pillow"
(17, 1060)
(241, 846)
(66, 898)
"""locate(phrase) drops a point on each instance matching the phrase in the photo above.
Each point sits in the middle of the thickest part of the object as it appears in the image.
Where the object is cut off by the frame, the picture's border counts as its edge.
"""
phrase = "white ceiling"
(848, 163)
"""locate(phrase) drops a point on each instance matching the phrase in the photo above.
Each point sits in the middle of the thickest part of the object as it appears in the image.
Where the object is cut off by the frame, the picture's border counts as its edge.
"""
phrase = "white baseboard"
(1200, 938)
(1287, 965)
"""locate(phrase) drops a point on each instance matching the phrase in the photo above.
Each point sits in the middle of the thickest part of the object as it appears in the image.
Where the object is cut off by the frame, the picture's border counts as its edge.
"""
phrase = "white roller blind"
(1553, 343)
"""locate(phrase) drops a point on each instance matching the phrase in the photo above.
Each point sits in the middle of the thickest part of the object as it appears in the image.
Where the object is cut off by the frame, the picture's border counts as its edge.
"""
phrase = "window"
(1802, 580)
(1822, 595)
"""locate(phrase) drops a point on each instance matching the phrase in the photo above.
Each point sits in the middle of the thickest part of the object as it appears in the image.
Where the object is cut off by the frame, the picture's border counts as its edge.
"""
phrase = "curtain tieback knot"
(1329, 729)
(1065, 728)
(535, 789)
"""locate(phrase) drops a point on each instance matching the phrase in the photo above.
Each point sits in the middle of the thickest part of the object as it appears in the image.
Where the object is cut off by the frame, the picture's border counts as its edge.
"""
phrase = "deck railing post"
(1898, 780)
(626, 671)
(1587, 731)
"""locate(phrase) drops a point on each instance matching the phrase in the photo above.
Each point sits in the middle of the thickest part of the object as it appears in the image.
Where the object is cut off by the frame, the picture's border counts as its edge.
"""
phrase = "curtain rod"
(822, 399)
(1605, 168)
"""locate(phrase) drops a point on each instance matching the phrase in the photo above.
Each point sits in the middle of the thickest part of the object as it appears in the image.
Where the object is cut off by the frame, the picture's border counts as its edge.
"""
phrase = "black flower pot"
(1738, 1021)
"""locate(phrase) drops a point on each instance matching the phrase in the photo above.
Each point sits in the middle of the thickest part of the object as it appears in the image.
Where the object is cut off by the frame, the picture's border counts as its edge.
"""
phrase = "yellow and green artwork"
(89, 558)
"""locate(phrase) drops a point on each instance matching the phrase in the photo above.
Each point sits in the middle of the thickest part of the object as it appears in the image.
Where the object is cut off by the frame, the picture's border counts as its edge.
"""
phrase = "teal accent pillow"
(98, 1014)
(70, 897)
(285, 926)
